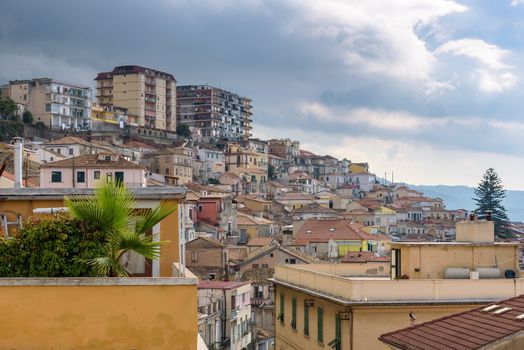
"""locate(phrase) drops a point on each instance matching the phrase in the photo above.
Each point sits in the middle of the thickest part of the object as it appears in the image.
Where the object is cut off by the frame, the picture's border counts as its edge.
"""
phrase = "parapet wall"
(98, 313)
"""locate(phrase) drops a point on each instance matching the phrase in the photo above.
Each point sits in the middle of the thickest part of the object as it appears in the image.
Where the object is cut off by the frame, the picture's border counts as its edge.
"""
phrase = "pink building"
(87, 171)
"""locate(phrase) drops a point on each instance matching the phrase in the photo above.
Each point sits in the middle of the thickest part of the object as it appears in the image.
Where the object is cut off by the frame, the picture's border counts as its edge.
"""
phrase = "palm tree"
(111, 210)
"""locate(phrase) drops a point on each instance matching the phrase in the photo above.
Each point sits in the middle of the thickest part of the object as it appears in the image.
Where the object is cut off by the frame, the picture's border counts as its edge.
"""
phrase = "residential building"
(206, 258)
(57, 104)
(253, 226)
(148, 95)
(21, 204)
(284, 149)
(174, 163)
(233, 301)
(219, 114)
(249, 161)
(333, 238)
(107, 120)
(67, 147)
(498, 326)
(213, 162)
(365, 181)
(89, 170)
(349, 308)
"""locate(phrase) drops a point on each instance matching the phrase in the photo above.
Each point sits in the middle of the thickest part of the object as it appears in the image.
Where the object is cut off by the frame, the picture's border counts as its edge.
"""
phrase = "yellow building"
(335, 305)
(148, 95)
(19, 205)
(358, 168)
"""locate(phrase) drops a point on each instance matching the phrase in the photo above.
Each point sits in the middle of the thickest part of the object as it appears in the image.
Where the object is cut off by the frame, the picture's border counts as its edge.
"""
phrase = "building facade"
(219, 114)
(57, 104)
(148, 95)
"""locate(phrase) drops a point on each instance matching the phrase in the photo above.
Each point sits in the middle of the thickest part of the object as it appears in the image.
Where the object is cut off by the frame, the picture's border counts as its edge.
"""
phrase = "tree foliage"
(183, 130)
(8, 109)
(10, 129)
(489, 196)
(271, 172)
(111, 211)
(27, 117)
(52, 247)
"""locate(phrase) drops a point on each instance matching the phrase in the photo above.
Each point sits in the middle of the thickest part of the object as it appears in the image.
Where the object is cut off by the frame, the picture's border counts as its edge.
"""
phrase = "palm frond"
(107, 266)
(146, 222)
(109, 209)
(147, 246)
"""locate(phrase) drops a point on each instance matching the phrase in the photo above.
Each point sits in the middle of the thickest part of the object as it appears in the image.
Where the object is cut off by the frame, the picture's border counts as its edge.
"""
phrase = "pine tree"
(488, 196)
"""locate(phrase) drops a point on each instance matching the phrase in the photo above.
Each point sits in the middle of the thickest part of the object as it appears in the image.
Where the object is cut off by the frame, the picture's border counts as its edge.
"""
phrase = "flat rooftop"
(330, 281)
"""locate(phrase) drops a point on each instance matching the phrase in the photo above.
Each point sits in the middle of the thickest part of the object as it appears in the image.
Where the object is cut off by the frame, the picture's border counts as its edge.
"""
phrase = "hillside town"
(271, 234)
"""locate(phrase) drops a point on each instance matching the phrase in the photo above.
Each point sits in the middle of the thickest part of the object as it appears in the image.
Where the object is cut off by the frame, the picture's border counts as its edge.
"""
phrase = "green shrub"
(56, 246)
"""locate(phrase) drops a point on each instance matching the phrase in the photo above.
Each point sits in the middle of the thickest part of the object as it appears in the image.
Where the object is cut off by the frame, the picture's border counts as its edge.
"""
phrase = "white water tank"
(488, 272)
(456, 273)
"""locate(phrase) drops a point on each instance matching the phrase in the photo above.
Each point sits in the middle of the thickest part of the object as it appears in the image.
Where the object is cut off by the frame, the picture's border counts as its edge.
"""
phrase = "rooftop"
(93, 161)
(338, 283)
(220, 284)
(463, 331)
(157, 193)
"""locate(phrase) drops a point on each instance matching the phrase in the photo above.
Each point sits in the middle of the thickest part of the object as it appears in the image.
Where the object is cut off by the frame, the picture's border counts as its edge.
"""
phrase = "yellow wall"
(432, 260)
(355, 246)
(168, 227)
(98, 317)
(368, 322)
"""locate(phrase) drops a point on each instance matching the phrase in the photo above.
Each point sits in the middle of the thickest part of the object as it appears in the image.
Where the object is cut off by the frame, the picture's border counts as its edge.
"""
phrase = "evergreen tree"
(488, 196)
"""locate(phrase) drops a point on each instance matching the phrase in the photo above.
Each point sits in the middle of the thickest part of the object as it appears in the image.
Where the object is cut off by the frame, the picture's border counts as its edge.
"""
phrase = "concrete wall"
(132, 177)
(475, 231)
(432, 260)
(100, 313)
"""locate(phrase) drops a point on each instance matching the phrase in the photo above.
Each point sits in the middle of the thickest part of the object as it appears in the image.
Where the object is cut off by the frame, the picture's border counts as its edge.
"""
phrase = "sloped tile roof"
(462, 331)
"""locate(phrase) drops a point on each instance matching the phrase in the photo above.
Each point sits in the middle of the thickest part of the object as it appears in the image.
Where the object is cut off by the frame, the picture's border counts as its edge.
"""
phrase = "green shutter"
(337, 342)
(294, 313)
(320, 325)
(306, 319)
(281, 313)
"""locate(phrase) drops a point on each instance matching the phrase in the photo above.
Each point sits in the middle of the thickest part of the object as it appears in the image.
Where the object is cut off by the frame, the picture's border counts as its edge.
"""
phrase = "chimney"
(488, 215)
(19, 146)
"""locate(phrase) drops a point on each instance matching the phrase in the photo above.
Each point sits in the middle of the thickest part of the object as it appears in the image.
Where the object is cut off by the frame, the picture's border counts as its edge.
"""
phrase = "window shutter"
(320, 325)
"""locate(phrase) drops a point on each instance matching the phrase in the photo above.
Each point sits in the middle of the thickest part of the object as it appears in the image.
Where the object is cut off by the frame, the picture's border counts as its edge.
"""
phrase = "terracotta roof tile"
(462, 331)
(94, 161)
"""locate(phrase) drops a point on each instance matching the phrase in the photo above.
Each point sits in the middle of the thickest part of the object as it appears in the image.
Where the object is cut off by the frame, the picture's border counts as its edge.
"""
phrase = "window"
(306, 318)
(81, 176)
(337, 342)
(107, 158)
(71, 151)
(119, 177)
(281, 313)
(96, 175)
(109, 177)
(294, 313)
(200, 208)
(292, 261)
(59, 151)
(265, 266)
(194, 256)
(320, 325)
(395, 263)
(56, 176)
(255, 266)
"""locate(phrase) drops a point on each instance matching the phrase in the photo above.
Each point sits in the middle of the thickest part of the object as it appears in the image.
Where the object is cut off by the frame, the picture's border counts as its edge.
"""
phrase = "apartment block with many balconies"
(219, 114)
(57, 104)
(148, 95)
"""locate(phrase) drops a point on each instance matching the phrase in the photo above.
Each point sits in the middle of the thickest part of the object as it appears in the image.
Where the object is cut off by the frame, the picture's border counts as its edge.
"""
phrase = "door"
(119, 177)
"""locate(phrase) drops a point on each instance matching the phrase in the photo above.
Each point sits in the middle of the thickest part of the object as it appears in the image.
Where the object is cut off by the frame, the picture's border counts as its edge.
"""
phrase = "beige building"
(342, 306)
(148, 95)
(176, 164)
(88, 171)
(57, 104)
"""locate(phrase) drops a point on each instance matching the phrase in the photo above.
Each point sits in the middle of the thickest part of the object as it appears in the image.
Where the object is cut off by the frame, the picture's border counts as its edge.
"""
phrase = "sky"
(430, 90)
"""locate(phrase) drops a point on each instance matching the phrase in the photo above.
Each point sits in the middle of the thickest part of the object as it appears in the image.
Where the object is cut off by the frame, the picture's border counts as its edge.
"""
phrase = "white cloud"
(490, 81)
(495, 75)
(517, 2)
(375, 36)
(489, 55)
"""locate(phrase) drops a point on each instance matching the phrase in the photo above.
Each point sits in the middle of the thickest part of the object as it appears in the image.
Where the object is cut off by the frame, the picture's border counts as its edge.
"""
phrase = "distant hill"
(459, 197)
